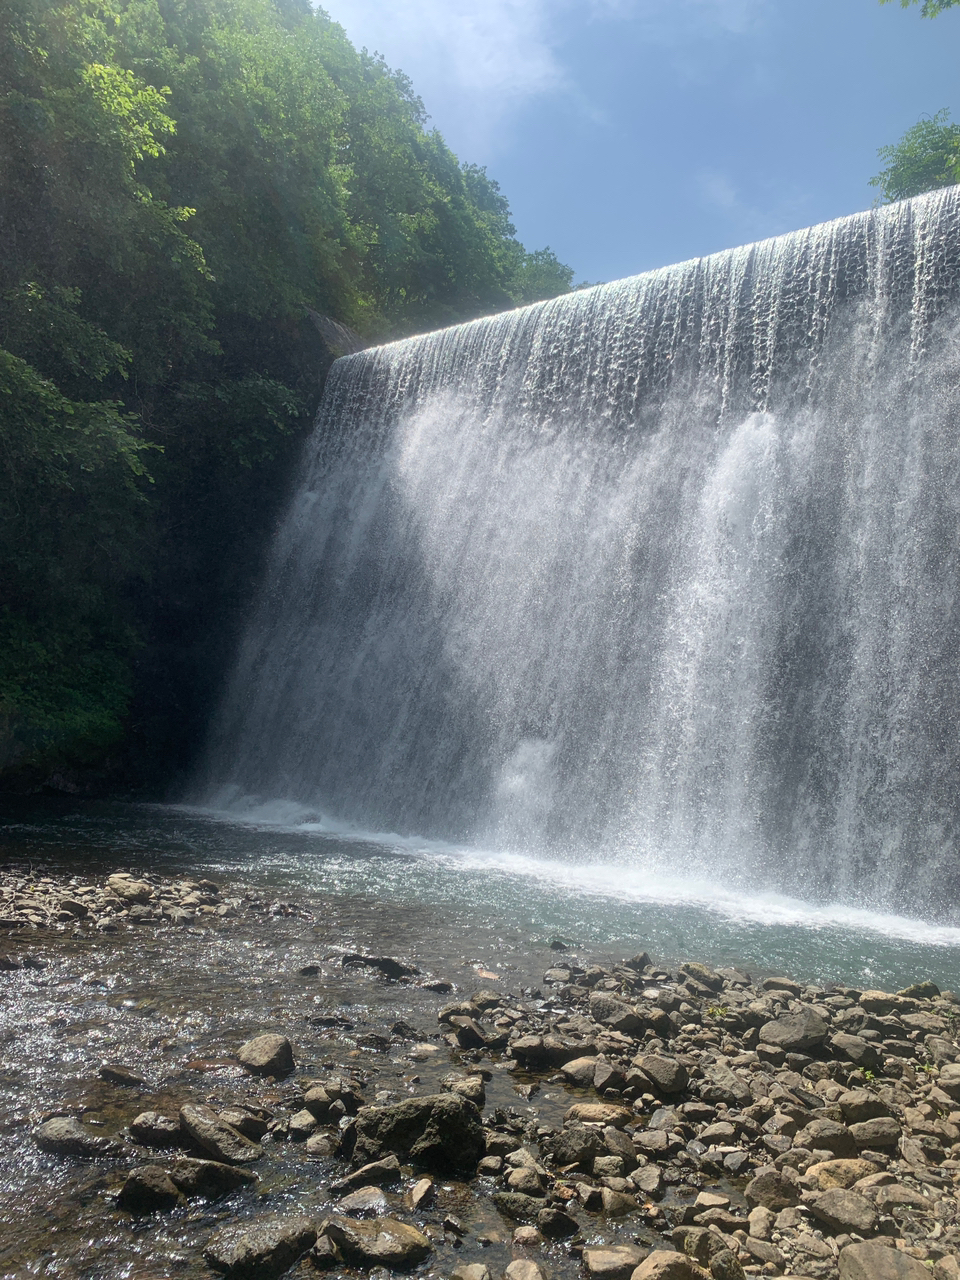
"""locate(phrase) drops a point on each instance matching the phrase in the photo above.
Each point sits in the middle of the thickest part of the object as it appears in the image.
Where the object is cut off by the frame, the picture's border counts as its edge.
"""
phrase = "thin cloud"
(476, 62)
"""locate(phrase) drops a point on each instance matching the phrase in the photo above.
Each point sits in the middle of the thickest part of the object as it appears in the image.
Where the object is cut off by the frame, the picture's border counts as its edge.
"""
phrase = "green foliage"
(181, 181)
(930, 8)
(925, 158)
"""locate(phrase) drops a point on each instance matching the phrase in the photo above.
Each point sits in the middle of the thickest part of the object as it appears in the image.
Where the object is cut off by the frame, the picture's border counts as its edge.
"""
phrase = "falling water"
(661, 573)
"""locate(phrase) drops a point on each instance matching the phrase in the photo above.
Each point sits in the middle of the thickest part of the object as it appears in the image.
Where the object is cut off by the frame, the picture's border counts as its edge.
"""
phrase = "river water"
(463, 903)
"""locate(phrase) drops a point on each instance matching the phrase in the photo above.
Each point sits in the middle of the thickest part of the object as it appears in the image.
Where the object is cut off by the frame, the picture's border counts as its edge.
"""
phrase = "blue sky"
(628, 134)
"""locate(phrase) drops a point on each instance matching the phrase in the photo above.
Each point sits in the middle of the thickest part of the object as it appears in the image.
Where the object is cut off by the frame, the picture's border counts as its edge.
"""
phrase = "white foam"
(622, 883)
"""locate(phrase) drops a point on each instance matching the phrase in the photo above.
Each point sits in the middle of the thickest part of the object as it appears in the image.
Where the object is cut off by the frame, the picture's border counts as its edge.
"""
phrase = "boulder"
(604, 1113)
(883, 1003)
(840, 1173)
(662, 1265)
(613, 1013)
(524, 1269)
(516, 1206)
(612, 1262)
(858, 1105)
(845, 1211)
(899, 1196)
(379, 1173)
(576, 1144)
(857, 1050)
(66, 1136)
(440, 1131)
(129, 890)
(210, 1178)
(665, 1074)
(828, 1135)
(471, 1271)
(617, 1204)
(949, 1080)
(366, 1202)
(385, 1242)
(881, 1132)
(795, 1032)
(260, 1251)
(220, 1140)
(267, 1055)
(148, 1189)
(155, 1130)
(874, 1261)
(771, 1189)
(556, 1224)
(580, 1071)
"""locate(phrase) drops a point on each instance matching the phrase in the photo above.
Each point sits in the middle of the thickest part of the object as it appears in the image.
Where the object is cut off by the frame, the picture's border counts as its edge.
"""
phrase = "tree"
(930, 8)
(925, 158)
(928, 155)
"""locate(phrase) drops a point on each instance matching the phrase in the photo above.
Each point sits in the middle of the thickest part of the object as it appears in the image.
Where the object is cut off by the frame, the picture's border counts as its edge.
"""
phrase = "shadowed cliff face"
(662, 572)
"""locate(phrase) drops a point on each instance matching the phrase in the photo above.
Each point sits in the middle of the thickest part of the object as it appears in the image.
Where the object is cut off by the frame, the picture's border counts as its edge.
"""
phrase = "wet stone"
(385, 1242)
(209, 1178)
(66, 1136)
(612, 1262)
(261, 1251)
(268, 1055)
(148, 1190)
(152, 1129)
(367, 1202)
(218, 1139)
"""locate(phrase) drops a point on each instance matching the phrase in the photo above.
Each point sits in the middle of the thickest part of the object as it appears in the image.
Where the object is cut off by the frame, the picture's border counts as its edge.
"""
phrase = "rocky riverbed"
(198, 1081)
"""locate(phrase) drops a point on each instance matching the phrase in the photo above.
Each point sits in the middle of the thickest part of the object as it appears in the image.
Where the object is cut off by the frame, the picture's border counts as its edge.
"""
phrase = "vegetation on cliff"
(182, 184)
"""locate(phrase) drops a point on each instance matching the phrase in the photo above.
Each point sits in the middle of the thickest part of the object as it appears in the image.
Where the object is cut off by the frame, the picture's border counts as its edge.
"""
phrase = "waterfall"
(663, 572)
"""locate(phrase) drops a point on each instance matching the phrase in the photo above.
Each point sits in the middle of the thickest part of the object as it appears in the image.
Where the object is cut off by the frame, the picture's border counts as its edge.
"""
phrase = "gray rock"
(828, 1135)
(524, 1269)
(210, 1178)
(366, 1202)
(856, 1050)
(666, 1074)
(385, 1242)
(155, 1130)
(881, 1132)
(581, 1071)
(617, 1204)
(379, 1173)
(613, 1013)
(721, 1084)
(117, 1073)
(898, 1196)
(148, 1190)
(612, 1262)
(874, 1261)
(795, 1032)
(470, 1087)
(220, 1140)
(648, 1181)
(699, 1243)
(662, 1265)
(260, 1251)
(576, 1144)
(66, 1136)
(556, 1224)
(726, 1266)
(949, 1080)
(441, 1131)
(471, 1271)
(858, 1105)
(845, 1211)
(267, 1055)
(771, 1189)
(517, 1206)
